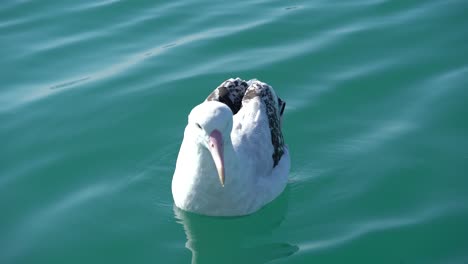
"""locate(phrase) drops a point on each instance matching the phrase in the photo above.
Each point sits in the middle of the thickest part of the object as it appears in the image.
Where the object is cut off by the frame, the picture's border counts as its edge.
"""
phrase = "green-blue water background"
(94, 97)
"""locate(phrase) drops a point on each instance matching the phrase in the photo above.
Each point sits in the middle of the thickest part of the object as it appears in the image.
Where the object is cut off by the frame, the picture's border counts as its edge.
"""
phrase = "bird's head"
(211, 124)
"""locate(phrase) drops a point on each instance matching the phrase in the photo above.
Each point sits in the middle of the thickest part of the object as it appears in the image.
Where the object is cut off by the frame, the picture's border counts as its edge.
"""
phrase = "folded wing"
(237, 93)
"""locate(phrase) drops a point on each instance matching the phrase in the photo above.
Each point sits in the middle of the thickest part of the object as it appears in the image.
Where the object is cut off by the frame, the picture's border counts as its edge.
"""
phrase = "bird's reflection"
(244, 239)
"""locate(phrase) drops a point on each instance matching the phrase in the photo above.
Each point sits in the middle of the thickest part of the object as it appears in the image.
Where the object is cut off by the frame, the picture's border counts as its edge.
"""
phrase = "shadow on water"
(236, 239)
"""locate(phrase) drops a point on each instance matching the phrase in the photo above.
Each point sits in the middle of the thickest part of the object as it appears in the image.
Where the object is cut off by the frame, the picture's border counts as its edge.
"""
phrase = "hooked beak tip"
(221, 178)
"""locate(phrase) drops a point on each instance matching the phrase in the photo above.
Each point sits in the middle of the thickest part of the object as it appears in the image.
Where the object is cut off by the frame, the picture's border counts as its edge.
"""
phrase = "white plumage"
(232, 160)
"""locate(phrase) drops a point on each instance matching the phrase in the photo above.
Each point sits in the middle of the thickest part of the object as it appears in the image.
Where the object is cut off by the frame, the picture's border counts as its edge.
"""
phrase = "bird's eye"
(198, 125)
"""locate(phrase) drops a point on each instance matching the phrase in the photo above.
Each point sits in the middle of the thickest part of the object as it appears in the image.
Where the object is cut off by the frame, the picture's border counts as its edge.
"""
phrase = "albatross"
(232, 160)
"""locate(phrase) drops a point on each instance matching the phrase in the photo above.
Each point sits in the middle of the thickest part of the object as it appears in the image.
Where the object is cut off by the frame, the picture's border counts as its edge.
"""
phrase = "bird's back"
(256, 135)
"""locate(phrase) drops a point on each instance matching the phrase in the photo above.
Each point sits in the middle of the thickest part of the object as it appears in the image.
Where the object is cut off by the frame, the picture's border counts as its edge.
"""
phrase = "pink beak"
(216, 149)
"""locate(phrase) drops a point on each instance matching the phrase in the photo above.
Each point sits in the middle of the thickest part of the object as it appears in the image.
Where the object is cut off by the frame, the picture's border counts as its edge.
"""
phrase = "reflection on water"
(236, 239)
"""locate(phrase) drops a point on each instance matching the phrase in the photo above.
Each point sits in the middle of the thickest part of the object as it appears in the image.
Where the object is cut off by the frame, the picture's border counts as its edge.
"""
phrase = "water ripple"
(357, 231)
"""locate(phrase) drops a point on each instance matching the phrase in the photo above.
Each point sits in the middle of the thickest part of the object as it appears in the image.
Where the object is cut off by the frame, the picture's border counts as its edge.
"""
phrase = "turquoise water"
(94, 100)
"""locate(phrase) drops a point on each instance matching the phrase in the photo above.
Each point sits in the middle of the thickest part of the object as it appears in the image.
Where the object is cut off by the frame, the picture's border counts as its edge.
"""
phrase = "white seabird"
(233, 159)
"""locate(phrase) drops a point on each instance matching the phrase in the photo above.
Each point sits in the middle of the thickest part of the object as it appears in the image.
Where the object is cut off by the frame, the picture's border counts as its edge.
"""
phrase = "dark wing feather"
(230, 92)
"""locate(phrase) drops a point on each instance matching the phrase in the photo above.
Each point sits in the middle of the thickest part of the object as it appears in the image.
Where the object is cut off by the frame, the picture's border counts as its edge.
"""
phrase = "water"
(94, 100)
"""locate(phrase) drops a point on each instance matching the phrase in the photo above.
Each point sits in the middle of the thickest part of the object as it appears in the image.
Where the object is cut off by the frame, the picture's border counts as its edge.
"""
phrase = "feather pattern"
(236, 92)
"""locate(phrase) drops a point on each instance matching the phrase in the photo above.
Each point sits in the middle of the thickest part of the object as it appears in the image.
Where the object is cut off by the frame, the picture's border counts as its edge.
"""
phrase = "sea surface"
(94, 98)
